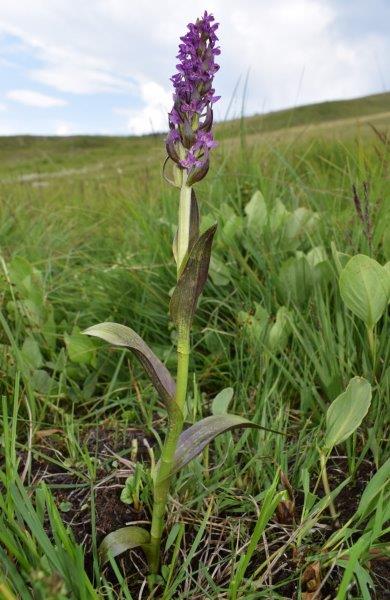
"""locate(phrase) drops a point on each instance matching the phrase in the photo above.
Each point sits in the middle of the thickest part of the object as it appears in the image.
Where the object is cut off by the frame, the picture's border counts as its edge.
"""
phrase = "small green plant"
(365, 290)
(132, 491)
(188, 145)
(343, 417)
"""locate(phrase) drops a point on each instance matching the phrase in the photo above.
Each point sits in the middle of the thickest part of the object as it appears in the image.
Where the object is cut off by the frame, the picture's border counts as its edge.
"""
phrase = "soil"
(73, 497)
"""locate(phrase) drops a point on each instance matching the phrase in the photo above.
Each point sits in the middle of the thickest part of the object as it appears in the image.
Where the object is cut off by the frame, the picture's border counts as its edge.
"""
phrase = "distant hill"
(309, 114)
(27, 154)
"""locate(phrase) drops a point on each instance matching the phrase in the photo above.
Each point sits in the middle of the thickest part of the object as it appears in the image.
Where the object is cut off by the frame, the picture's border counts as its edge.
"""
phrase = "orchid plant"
(189, 142)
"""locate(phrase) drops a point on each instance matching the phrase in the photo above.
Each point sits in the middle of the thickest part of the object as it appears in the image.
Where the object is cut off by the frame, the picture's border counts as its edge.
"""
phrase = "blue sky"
(103, 66)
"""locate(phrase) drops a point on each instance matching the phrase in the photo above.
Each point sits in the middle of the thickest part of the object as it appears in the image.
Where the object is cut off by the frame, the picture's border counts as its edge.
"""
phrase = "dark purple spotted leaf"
(192, 280)
(124, 539)
(194, 439)
(120, 335)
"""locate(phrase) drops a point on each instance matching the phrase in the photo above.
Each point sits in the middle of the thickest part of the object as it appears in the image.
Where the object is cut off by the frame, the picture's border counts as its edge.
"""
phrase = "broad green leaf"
(27, 280)
(232, 227)
(346, 413)
(194, 439)
(277, 216)
(192, 280)
(301, 221)
(295, 280)
(81, 350)
(41, 381)
(380, 481)
(221, 401)
(124, 539)
(219, 271)
(32, 353)
(279, 332)
(365, 288)
(256, 212)
(340, 258)
(316, 256)
(120, 335)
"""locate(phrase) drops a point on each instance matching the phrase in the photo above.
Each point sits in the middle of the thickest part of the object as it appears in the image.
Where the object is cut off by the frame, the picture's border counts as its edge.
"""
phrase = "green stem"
(325, 483)
(372, 345)
(175, 426)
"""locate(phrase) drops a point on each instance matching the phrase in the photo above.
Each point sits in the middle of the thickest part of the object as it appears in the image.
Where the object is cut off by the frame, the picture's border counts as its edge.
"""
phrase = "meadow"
(86, 228)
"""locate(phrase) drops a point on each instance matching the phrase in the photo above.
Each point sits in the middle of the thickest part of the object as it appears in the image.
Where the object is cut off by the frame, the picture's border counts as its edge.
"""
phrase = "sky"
(103, 66)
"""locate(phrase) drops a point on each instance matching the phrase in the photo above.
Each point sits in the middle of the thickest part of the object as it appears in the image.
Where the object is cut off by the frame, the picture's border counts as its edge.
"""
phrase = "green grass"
(85, 236)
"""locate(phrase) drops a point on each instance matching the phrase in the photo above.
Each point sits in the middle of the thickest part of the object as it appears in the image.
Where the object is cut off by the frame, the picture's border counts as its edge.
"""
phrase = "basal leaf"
(221, 401)
(120, 335)
(192, 280)
(194, 439)
(256, 212)
(81, 350)
(32, 353)
(295, 280)
(280, 330)
(365, 288)
(346, 413)
(124, 539)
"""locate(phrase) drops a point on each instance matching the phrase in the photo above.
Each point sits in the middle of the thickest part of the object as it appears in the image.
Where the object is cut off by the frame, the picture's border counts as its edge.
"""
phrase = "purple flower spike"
(190, 121)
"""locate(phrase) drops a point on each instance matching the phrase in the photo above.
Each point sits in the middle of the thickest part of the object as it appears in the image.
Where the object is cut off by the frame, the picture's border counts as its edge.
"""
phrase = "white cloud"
(31, 98)
(152, 117)
(2, 106)
(295, 50)
(63, 128)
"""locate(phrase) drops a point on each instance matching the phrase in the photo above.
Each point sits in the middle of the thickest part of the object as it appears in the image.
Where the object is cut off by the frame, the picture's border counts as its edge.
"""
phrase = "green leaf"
(42, 382)
(346, 413)
(32, 353)
(120, 335)
(279, 332)
(221, 401)
(256, 212)
(194, 439)
(295, 280)
(302, 220)
(277, 216)
(124, 539)
(219, 271)
(192, 280)
(379, 482)
(340, 259)
(365, 288)
(81, 350)
(316, 256)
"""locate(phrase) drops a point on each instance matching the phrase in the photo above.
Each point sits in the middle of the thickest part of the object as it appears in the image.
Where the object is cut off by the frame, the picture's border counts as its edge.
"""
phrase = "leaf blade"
(192, 280)
(365, 288)
(194, 439)
(125, 538)
(120, 335)
(347, 411)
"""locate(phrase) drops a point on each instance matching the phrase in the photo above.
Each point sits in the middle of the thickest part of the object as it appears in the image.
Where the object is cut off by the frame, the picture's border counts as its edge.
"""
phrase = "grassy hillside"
(86, 228)
(30, 154)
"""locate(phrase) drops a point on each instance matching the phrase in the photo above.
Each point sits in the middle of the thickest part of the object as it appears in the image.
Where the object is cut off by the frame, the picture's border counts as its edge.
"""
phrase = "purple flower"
(190, 121)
